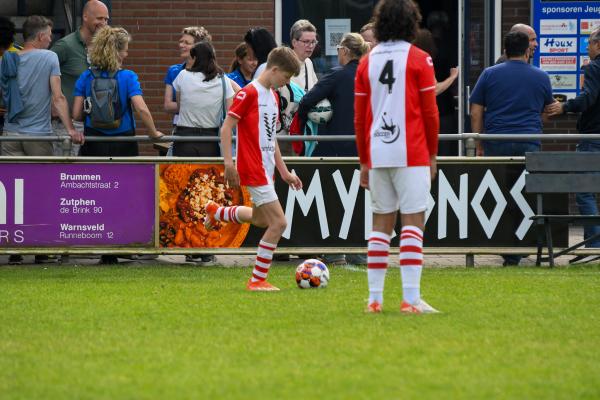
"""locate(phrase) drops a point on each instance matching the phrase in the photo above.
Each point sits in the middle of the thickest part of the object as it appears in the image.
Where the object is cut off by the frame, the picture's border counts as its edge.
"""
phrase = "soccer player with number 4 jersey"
(396, 122)
(255, 111)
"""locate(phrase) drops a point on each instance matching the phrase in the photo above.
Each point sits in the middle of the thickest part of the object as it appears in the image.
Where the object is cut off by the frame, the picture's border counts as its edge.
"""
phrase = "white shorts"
(262, 194)
(403, 189)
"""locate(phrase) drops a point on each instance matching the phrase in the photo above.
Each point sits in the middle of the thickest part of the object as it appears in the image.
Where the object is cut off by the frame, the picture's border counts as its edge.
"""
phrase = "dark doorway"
(441, 19)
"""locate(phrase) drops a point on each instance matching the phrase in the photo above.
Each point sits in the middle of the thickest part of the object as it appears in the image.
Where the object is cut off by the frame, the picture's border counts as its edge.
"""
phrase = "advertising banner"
(114, 205)
(64, 205)
(471, 204)
(563, 81)
(563, 28)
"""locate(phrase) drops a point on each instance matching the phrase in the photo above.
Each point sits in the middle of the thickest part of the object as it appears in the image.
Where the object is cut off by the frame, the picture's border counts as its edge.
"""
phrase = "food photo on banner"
(184, 190)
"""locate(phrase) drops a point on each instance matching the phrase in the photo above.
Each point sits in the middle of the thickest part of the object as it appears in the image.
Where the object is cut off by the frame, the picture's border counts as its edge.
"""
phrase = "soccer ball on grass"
(312, 274)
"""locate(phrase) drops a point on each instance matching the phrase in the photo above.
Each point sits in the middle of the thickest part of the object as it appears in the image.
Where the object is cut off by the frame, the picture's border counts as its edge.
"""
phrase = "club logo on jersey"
(429, 61)
(241, 95)
(388, 132)
(270, 124)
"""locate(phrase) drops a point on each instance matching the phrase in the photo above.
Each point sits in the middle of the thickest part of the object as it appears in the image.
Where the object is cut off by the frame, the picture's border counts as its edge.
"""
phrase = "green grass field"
(173, 332)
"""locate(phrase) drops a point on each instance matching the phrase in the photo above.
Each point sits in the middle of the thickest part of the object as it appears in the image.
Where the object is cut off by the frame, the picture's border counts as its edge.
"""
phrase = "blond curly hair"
(107, 42)
(199, 33)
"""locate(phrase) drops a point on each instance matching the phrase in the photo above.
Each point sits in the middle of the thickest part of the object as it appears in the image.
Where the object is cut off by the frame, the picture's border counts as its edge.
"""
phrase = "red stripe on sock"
(411, 249)
(261, 269)
(410, 236)
(264, 246)
(233, 217)
(409, 231)
(376, 239)
(221, 212)
(376, 265)
(263, 260)
(411, 262)
(378, 253)
(258, 278)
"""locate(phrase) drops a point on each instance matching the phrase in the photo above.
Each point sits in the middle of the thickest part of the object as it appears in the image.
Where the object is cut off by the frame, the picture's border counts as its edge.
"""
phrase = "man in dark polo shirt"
(72, 53)
(510, 98)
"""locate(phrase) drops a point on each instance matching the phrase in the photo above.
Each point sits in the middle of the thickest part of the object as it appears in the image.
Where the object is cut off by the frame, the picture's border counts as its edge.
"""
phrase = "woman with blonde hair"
(189, 37)
(109, 49)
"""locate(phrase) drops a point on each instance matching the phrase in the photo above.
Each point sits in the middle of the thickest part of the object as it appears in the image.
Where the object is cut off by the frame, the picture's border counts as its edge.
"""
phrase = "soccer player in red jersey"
(255, 111)
(397, 122)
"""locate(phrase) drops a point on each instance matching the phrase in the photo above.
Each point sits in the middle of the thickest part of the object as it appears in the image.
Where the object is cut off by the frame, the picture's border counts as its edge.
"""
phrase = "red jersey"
(396, 117)
(257, 110)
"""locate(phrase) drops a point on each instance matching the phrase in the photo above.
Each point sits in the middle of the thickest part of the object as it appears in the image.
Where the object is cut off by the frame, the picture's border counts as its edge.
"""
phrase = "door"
(476, 48)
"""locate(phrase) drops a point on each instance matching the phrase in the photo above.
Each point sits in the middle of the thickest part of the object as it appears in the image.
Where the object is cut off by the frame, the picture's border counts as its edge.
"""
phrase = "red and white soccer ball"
(312, 274)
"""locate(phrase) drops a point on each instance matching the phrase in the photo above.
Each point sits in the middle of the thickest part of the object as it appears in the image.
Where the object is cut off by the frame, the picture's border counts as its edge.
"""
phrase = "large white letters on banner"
(348, 199)
(488, 183)
(517, 193)
(314, 193)
(460, 205)
(18, 204)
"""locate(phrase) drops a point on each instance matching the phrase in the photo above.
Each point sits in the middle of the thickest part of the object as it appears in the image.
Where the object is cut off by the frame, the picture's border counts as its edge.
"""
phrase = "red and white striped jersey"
(257, 110)
(395, 113)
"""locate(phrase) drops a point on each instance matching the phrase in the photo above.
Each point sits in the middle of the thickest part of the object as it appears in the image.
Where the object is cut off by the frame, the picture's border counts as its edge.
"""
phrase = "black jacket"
(338, 87)
(588, 101)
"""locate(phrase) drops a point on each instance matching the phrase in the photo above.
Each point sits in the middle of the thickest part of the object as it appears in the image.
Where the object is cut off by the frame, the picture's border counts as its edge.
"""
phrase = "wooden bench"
(560, 172)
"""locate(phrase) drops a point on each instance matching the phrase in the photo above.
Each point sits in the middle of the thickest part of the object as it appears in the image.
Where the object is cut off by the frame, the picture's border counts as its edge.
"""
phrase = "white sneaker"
(420, 307)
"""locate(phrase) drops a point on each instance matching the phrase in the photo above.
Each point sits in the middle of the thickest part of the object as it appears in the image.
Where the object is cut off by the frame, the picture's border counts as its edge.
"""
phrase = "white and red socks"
(264, 256)
(228, 214)
(411, 262)
(377, 262)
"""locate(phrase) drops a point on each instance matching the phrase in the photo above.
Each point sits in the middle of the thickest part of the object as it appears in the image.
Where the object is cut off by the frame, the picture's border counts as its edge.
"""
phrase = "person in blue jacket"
(243, 66)
(338, 87)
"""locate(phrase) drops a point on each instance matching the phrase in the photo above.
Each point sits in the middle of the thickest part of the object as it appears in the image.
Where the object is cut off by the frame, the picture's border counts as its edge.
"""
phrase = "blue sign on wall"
(563, 28)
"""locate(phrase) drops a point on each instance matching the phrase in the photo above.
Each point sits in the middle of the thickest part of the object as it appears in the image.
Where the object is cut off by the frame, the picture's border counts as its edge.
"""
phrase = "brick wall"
(156, 26)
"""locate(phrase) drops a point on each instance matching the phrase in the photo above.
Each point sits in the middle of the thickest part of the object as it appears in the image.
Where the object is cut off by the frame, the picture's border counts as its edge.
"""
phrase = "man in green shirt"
(72, 55)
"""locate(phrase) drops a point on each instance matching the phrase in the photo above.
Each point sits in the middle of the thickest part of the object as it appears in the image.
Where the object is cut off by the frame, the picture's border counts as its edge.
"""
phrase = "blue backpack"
(104, 104)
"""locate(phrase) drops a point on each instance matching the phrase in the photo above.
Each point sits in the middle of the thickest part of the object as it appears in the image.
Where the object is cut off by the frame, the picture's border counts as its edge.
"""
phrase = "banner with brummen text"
(77, 205)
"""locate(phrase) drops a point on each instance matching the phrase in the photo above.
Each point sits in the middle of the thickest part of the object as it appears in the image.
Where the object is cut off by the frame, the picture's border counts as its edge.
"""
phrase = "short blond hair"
(285, 59)
(199, 33)
(355, 44)
(107, 42)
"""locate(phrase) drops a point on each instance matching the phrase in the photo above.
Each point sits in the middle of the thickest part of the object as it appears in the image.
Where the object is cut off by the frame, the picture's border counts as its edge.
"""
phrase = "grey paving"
(437, 261)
